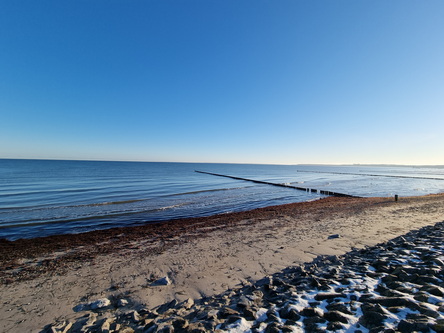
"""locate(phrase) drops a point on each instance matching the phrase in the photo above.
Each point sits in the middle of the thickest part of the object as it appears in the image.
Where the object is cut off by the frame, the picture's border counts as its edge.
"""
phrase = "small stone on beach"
(334, 236)
(165, 281)
(100, 303)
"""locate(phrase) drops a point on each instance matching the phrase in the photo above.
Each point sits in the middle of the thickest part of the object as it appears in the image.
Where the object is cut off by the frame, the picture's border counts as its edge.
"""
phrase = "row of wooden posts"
(312, 190)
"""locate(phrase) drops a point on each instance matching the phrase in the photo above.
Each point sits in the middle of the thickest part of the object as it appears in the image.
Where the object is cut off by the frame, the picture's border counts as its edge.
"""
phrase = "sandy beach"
(43, 280)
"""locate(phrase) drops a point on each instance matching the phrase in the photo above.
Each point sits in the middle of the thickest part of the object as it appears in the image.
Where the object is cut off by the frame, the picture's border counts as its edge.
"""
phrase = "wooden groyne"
(305, 189)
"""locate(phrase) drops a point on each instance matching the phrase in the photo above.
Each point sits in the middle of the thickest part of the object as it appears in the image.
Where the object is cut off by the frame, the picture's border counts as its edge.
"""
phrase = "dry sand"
(44, 279)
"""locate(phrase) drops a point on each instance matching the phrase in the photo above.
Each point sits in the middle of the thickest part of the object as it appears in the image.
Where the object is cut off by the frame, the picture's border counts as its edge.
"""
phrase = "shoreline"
(45, 278)
(119, 236)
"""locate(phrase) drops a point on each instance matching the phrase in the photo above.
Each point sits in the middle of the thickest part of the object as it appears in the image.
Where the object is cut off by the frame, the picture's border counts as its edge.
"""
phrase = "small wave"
(111, 203)
(313, 199)
(53, 191)
(49, 207)
(30, 223)
(205, 191)
(171, 207)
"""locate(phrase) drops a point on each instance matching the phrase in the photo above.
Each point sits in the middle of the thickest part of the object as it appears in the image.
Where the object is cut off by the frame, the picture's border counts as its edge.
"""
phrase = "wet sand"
(43, 279)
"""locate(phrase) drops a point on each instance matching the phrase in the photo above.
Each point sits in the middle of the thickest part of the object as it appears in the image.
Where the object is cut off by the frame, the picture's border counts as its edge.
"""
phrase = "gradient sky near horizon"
(281, 82)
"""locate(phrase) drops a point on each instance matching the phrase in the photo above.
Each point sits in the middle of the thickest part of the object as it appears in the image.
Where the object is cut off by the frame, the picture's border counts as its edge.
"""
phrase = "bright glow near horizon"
(223, 81)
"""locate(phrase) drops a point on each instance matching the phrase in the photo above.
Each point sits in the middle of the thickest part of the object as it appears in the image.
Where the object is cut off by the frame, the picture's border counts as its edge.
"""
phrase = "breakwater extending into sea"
(41, 197)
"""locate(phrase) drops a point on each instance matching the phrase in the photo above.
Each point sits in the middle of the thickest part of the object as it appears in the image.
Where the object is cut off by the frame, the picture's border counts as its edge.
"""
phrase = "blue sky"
(223, 81)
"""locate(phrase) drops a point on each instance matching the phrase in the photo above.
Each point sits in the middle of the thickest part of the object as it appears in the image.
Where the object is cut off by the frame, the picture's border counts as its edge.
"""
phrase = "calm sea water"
(41, 197)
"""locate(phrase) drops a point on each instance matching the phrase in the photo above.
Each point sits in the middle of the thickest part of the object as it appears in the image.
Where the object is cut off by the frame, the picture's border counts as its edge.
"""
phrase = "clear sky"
(223, 81)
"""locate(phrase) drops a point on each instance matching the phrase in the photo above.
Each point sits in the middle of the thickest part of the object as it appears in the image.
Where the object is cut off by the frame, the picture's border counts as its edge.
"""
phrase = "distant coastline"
(229, 163)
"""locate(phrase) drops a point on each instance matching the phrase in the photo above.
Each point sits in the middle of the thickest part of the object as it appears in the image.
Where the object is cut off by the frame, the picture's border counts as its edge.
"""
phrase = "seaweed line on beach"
(26, 259)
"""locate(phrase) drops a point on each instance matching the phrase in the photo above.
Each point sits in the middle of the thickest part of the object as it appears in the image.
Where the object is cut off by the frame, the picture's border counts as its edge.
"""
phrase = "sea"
(48, 197)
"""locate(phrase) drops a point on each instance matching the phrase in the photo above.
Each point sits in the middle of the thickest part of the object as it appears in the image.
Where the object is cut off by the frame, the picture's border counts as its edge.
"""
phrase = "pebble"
(100, 303)
(122, 302)
(334, 236)
(165, 281)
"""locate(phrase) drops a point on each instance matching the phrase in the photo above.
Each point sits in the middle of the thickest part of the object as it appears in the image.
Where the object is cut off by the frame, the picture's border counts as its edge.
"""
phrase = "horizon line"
(244, 163)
